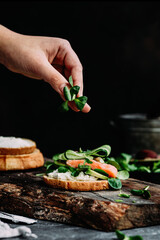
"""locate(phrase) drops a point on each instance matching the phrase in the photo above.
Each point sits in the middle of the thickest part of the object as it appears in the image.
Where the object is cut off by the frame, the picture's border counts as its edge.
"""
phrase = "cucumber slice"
(96, 174)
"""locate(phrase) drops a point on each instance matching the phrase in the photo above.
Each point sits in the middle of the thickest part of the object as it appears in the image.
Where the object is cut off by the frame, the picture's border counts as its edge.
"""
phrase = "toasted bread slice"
(21, 162)
(16, 146)
(77, 185)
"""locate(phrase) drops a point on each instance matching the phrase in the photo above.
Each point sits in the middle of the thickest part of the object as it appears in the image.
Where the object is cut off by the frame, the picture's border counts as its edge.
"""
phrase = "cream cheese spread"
(67, 176)
(13, 142)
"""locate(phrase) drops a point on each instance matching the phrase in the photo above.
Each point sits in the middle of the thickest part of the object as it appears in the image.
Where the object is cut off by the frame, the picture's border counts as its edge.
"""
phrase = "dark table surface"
(49, 230)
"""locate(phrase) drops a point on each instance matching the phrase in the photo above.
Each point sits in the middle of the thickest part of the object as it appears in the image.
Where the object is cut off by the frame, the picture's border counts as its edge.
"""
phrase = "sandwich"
(84, 170)
(19, 154)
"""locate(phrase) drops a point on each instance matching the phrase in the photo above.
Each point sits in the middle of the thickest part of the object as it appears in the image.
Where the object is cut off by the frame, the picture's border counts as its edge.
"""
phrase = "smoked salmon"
(108, 168)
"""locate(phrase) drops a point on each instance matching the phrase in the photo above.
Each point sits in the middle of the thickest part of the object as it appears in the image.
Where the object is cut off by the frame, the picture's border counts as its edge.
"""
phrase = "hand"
(47, 58)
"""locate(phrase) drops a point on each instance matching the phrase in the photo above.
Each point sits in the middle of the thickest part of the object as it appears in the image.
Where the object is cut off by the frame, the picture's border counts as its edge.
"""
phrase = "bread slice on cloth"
(19, 154)
(77, 185)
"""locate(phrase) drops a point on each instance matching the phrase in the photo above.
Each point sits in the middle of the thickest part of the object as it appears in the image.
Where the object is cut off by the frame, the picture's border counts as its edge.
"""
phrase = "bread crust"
(21, 162)
(18, 151)
(77, 185)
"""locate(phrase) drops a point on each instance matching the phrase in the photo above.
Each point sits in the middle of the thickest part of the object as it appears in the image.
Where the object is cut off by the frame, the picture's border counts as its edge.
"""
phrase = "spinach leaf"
(115, 183)
(75, 173)
(71, 81)
(80, 102)
(124, 195)
(122, 236)
(67, 93)
(70, 95)
(64, 107)
(123, 175)
(101, 171)
(62, 169)
(74, 91)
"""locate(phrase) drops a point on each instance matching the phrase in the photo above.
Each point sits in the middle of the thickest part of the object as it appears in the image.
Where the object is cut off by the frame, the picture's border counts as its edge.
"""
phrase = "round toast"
(77, 185)
(16, 146)
(21, 161)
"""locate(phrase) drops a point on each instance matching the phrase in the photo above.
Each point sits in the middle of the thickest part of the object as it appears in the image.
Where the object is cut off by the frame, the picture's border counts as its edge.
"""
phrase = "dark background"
(118, 44)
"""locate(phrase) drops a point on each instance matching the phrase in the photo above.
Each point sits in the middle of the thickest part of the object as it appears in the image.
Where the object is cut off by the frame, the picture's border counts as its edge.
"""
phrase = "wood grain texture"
(25, 194)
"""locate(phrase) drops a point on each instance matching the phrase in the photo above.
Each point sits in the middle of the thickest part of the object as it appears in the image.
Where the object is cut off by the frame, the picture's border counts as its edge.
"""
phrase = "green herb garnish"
(62, 169)
(118, 200)
(70, 95)
(124, 195)
(122, 236)
(144, 192)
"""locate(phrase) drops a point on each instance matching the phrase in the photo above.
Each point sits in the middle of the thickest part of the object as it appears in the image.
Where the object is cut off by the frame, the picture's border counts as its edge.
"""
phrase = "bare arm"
(47, 58)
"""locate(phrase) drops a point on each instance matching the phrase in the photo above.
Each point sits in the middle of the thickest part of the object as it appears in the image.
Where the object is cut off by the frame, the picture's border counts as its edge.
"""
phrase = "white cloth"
(7, 232)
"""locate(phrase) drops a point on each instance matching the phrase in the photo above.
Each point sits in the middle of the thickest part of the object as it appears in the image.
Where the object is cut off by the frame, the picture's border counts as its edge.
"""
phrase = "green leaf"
(59, 156)
(113, 163)
(156, 166)
(64, 107)
(137, 237)
(62, 169)
(144, 169)
(123, 175)
(122, 236)
(118, 200)
(115, 183)
(75, 173)
(74, 91)
(59, 163)
(102, 151)
(137, 192)
(146, 194)
(70, 154)
(71, 81)
(80, 102)
(101, 171)
(83, 167)
(124, 195)
(47, 164)
(39, 174)
(87, 160)
(157, 170)
(80, 150)
(67, 93)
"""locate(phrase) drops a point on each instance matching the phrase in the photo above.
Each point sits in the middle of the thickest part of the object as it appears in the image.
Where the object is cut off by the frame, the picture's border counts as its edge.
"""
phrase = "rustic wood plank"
(25, 194)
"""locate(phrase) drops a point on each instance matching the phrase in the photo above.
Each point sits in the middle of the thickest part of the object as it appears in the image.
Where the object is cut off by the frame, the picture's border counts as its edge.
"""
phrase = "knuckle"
(79, 68)
(66, 43)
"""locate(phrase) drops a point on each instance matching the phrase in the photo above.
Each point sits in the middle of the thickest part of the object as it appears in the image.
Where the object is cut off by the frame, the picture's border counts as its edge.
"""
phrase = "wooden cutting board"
(26, 194)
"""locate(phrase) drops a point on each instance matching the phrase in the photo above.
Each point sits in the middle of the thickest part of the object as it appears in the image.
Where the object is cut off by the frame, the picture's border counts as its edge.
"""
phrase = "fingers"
(54, 78)
(73, 64)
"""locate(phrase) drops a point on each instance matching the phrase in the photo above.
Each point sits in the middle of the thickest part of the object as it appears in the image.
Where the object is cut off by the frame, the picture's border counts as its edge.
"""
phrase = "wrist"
(7, 38)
